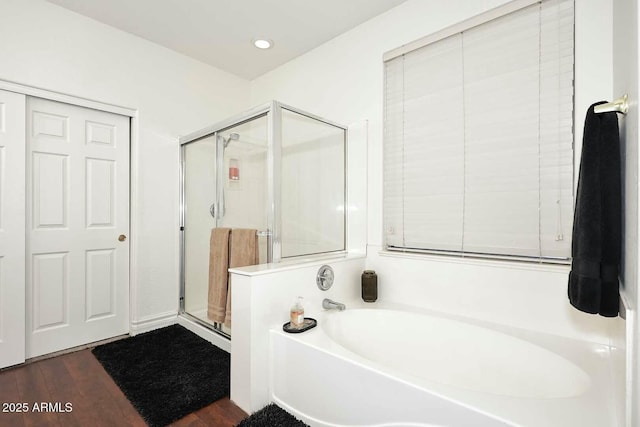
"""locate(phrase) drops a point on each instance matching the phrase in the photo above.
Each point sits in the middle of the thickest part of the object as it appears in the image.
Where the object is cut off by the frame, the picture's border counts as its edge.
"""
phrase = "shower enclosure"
(275, 169)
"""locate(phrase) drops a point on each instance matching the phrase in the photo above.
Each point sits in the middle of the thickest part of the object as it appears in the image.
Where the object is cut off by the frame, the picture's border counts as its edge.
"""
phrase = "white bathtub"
(382, 367)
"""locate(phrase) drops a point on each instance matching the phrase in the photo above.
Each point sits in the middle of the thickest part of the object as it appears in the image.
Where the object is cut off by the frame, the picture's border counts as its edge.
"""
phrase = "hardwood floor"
(79, 379)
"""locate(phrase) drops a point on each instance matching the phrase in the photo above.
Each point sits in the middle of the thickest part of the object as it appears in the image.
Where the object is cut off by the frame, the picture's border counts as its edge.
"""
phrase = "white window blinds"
(478, 138)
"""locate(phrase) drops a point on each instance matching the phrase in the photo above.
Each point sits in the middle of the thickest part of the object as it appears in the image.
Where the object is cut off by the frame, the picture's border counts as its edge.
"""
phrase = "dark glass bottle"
(369, 286)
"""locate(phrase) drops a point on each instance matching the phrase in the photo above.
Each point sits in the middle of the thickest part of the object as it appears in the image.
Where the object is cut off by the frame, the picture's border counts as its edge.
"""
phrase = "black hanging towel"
(596, 244)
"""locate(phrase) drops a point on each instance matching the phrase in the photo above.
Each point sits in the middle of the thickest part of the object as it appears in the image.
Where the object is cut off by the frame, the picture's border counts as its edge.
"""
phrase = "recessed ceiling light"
(262, 43)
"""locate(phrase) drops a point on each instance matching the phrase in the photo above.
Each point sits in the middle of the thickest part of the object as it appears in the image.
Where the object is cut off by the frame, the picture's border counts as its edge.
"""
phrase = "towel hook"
(620, 105)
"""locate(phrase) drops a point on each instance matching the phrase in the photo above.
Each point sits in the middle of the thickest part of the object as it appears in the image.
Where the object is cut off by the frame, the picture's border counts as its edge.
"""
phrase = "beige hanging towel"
(218, 274)
(243, 252)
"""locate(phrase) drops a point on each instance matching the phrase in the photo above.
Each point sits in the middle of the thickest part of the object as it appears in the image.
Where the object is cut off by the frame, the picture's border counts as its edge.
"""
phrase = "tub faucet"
(331, 304)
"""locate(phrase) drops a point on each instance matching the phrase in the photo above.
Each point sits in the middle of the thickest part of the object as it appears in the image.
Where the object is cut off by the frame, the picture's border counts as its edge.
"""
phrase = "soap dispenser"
(297, 314)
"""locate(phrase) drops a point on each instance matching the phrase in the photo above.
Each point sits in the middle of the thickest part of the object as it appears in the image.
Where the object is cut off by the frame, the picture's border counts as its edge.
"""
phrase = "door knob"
(122, 237)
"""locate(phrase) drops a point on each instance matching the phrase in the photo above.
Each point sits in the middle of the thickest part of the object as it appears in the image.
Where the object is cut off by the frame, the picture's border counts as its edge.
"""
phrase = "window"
(478, 138)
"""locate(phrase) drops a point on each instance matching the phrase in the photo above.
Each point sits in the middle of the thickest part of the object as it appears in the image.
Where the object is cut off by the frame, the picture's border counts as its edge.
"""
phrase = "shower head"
(232, 137)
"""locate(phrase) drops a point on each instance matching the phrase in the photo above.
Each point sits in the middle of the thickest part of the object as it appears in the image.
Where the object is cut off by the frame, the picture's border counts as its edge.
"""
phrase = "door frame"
(134, 135)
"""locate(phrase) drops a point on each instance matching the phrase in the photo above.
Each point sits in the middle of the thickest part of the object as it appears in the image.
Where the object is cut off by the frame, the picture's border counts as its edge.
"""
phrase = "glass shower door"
(199, 198)
(224, 185)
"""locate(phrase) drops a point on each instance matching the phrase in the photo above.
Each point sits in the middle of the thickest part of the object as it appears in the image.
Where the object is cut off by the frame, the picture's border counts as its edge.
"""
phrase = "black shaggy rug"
(272, 416)
(167, 373)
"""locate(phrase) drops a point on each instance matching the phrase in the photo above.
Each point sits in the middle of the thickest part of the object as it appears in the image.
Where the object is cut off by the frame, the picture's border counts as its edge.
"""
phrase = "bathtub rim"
(595, 362)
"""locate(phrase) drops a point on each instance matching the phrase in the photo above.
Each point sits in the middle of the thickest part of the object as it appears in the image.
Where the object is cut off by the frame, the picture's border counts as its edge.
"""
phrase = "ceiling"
(220, 32)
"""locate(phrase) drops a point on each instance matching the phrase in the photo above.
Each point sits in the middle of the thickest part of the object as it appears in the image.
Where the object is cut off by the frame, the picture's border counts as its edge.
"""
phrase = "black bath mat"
(167, 373)
(272, 416)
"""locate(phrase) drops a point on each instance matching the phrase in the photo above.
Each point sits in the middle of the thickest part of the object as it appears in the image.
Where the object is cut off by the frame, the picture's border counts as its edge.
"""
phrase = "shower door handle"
(212, 210)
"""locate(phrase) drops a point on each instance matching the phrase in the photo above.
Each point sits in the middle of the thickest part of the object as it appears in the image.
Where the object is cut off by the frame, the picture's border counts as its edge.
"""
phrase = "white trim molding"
(134, 185)
(68, 99)
(156, 321)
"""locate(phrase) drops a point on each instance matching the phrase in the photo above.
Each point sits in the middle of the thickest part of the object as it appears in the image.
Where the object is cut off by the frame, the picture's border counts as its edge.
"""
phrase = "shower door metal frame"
(273, 112)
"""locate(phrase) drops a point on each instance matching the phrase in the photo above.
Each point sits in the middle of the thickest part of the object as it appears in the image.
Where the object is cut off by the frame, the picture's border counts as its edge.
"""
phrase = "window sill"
(517, 264)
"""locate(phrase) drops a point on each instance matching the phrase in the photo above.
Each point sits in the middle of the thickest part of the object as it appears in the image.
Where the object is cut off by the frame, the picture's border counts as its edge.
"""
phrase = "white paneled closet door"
(12, 217)
(77, 266)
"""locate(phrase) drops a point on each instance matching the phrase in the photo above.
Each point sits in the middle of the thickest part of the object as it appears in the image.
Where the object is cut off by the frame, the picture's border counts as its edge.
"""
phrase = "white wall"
(49, 47)
(343, 81)
(625, 80)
